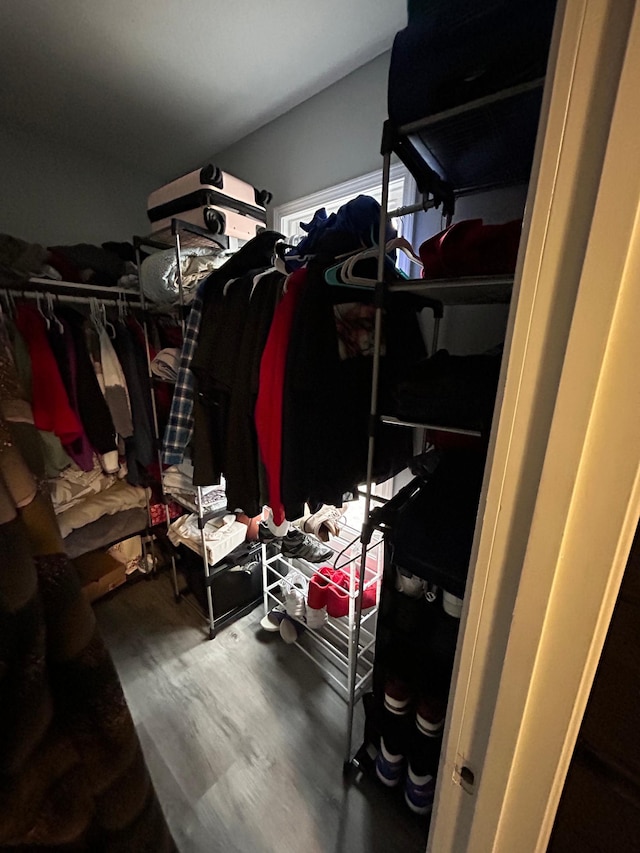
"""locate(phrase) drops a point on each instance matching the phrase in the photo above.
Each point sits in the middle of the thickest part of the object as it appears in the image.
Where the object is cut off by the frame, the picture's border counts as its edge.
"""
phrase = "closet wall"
(330, 138)
(54, 194)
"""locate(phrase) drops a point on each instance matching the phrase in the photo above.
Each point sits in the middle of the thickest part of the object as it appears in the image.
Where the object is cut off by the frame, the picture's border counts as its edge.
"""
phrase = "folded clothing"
(471, 248)
(451, 390)
(105, 531)
(74, 485)
(178, 481)
(120, 496)
(165, 365)
(158, 272)
(222, 535)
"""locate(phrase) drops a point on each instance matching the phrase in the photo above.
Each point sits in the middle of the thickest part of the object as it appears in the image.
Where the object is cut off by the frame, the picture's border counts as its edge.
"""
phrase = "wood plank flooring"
(243, 736)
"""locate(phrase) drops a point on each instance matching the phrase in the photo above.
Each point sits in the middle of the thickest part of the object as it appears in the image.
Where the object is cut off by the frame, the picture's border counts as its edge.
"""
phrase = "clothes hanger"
(398, 244)
(52, 315)
(109, 328)
(344, 272)
(41, 312)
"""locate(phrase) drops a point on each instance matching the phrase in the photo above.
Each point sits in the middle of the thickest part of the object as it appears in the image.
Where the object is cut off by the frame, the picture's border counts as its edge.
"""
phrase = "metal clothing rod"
(65, 297)
(427, 204)
(53, 284)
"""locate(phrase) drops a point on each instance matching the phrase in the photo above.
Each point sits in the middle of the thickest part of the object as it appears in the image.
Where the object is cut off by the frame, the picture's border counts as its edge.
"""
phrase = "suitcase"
(217, 220)
(211, 199)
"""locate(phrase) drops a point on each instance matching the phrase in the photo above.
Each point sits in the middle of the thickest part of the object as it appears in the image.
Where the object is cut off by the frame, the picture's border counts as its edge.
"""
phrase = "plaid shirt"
(179, 429)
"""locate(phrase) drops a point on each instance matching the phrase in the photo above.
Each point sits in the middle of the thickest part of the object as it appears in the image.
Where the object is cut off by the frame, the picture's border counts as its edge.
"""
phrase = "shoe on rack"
(271, 622)
(389, 767)
(266, 536)
(319, 586)
(419, 791)
(294, 588)
(338, 595)
(397, 697)
(304, 546)
(323, 523)
(290, 629)
(430, 715)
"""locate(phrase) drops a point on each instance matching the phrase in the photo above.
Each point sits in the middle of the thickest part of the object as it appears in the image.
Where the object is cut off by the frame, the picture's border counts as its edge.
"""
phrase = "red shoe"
(338, 596)
(319, 585)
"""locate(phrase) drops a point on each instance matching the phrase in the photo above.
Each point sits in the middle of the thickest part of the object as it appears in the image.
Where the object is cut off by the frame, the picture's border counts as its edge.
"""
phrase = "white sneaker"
(324, 523)
(294, 588)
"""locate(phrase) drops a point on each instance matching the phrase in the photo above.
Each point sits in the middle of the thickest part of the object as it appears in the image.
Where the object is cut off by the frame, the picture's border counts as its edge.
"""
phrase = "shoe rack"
(344, 655)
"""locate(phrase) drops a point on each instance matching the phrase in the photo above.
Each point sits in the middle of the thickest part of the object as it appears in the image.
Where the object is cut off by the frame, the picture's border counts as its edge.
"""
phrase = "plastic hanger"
(344, 272)
(41, 312)
(52, 315)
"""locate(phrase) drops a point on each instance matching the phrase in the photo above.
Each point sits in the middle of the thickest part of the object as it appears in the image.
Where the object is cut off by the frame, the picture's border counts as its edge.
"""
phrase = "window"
(402, 190)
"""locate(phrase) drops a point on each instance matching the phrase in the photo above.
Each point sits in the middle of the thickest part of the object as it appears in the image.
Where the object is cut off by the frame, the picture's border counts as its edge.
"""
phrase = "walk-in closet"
(320, 439)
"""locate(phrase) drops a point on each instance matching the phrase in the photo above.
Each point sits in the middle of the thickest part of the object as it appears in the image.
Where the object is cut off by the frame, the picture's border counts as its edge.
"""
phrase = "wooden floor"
(243, 737)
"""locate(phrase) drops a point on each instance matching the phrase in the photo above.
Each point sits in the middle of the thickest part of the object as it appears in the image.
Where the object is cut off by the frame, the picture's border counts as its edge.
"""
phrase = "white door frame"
(561, 498)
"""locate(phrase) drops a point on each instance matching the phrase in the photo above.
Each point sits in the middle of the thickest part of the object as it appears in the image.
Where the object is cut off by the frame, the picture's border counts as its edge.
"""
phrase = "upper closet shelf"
(189, 235)
(480, 145)
(485, 290)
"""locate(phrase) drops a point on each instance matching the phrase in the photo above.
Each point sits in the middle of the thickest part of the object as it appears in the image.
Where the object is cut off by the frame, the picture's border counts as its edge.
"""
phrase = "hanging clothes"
(139, 447)
(115, 386)
(51, 409)
(243, 467)
(92, 407)
(269, 403)
(327, 388)
(61, 344)
(196, 353)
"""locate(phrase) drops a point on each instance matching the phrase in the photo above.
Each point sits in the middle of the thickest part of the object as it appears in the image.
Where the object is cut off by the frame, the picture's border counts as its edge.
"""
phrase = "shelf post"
(355, 605)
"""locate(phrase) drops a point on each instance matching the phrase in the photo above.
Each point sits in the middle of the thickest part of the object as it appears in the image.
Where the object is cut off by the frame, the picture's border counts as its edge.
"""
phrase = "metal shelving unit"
(183, 235)
(344, 656)
(433, 150)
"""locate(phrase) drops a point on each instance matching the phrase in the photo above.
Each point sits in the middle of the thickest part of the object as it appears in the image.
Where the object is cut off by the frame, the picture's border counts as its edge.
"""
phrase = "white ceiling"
(160, 83)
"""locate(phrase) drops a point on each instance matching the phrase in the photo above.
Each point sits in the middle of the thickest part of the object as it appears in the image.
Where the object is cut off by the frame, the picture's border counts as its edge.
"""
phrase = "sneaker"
(430, 715)
(304, 546)
(266, 536)
(419, 792)
(290, 629)
(323, 523)
(294, 588)
(271, 622)
(389, 767)
(396, 696)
